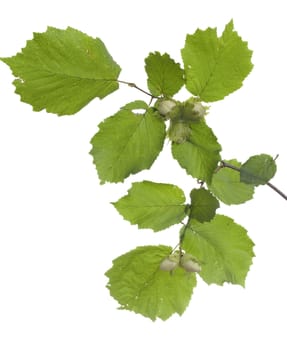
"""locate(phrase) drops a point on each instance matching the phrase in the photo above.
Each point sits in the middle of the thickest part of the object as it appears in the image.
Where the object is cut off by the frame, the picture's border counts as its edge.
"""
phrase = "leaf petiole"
(133, 85)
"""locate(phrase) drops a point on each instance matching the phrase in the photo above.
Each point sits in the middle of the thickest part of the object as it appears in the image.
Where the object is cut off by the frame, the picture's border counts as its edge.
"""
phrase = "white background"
(58, 232)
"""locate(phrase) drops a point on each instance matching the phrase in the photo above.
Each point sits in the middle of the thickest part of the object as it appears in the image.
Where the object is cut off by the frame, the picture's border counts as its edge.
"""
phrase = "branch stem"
(181, 238)
(277, 190)
(274, 188)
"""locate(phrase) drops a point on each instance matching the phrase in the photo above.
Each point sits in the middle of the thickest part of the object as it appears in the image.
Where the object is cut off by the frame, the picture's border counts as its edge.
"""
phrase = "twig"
(277, 190)
(133, 85)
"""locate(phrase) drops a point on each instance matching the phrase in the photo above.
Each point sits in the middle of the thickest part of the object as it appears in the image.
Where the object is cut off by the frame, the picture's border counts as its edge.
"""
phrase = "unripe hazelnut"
(199, 109)
(165, 106)
(179, 131)
(189, 263)
(170, 263)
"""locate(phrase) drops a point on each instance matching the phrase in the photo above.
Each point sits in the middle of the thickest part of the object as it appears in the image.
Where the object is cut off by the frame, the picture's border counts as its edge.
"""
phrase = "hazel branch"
(223, 164)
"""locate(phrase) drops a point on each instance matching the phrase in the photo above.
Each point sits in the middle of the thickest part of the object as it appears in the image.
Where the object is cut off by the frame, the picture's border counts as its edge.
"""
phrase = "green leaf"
(258, 170)
(63, 70)
(138, 284)
(203, 205)
(152, 205)
(127, 143)
(136, 105)
(215, 67)
(226, 185)
(200, 154)
(223, 248)
(165, 77)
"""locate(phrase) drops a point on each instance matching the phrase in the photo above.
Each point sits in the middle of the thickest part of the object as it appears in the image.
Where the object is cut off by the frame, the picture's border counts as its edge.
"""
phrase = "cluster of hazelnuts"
(186, 261)
(181, 116)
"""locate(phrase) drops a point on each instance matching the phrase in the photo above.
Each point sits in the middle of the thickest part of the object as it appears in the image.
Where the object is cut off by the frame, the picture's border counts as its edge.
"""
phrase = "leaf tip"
(230, 24)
